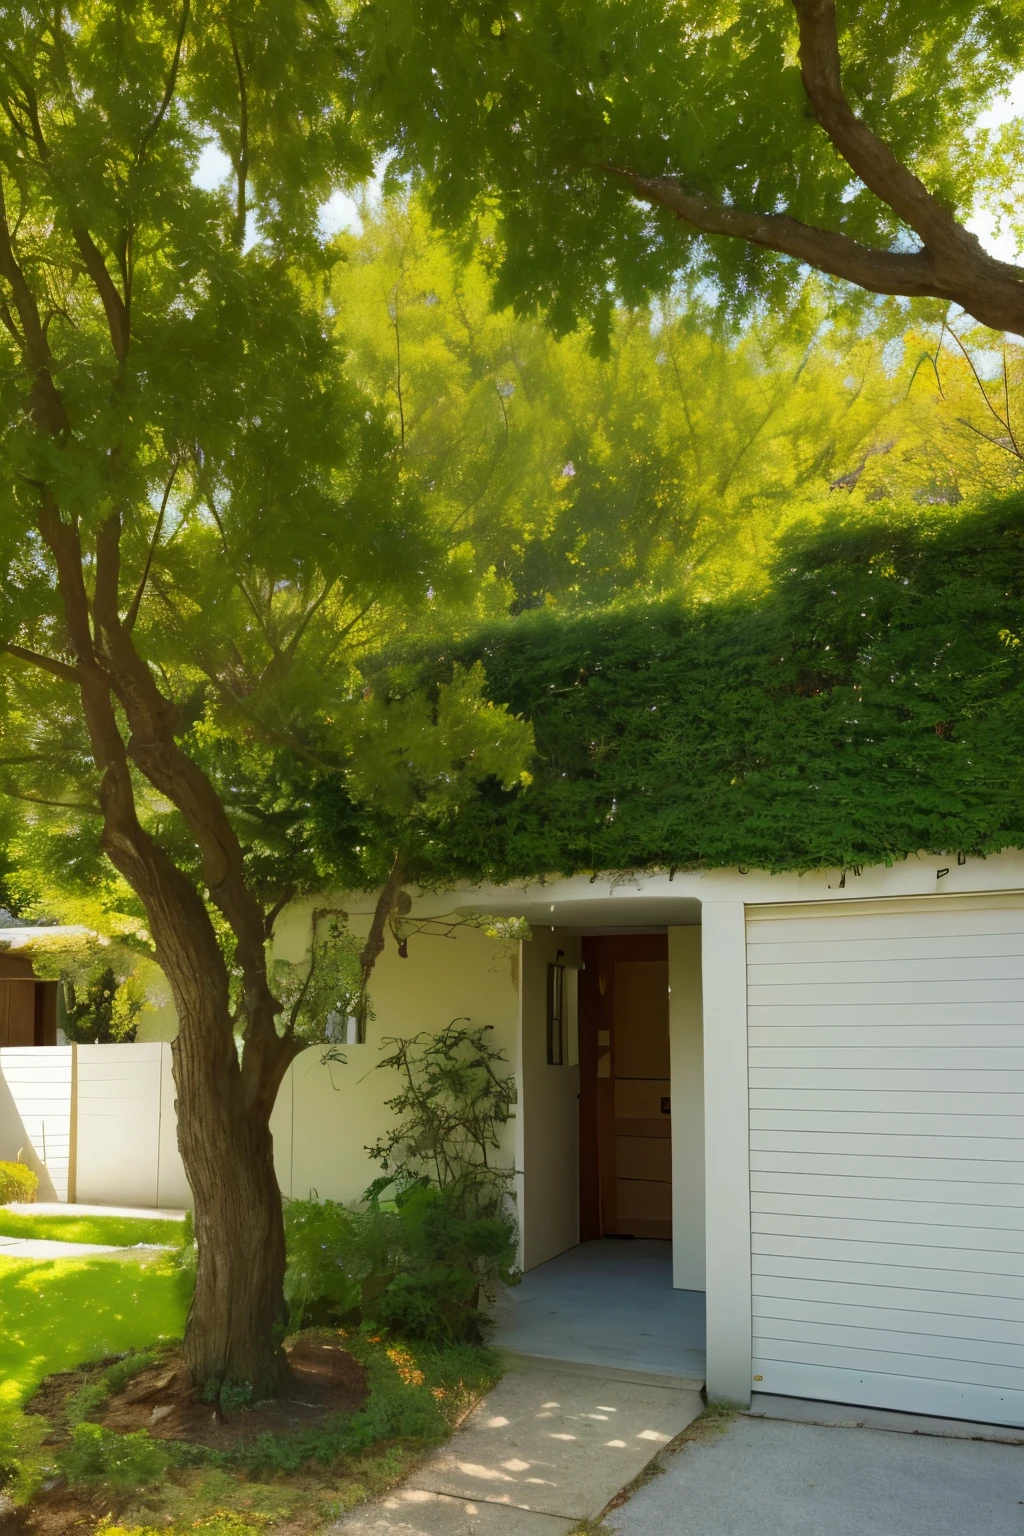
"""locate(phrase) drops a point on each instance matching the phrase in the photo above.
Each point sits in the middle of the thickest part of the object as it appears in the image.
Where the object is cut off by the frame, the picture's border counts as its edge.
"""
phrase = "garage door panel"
(968, 1171)
(968, 1260)
(948, 1101)
(768, 954)
(888, 993)
(842, 1187)
(845, 1013)
(963, 1150)
(908, 1214)
(881, 1233)
(988, 1312)
(931, 1331)
(888, 1058)
(881, 1122)
(977, 1036)
(881, 1355)
(986, 1405)
(1006, 1288)
(886, 1071)
(959, 970)
(974, 924)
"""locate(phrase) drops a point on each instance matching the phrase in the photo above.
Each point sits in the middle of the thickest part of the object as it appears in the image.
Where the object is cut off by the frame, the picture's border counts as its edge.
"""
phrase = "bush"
(17, 1182)
(437, 1234)
(125, 1462)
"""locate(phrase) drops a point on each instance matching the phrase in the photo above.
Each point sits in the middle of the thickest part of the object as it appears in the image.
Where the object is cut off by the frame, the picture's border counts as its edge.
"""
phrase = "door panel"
(625, 1088)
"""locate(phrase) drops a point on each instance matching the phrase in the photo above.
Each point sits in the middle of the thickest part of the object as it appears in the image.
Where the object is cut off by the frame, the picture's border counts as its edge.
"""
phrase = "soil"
(325, 1380)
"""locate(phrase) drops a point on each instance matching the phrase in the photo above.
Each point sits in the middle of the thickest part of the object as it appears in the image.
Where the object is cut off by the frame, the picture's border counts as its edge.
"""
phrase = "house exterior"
(812, 1085)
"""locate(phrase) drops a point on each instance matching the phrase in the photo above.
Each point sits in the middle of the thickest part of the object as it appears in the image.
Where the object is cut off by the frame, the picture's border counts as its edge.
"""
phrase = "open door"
(625, 1088)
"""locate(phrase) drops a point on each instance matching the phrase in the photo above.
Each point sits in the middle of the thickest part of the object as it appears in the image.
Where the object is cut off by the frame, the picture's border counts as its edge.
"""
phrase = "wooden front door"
(625, 1088)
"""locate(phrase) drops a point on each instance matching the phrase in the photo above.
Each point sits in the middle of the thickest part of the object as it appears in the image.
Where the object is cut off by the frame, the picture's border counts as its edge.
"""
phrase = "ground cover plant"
(112, 1231)
(99, 1420)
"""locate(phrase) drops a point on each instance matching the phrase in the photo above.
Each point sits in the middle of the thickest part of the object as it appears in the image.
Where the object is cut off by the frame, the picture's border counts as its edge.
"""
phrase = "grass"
(61, 1314)
(115, 1231)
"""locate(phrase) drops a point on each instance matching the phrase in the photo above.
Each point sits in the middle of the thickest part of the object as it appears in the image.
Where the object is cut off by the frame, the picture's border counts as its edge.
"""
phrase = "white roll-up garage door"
(887, 1154)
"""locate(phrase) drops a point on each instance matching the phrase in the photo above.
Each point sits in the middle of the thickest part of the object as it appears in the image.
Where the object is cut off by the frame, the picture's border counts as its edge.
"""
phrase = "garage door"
(887, 1154)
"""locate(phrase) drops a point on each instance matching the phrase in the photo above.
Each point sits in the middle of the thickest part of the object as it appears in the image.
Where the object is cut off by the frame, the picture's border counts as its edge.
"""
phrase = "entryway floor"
(607, 1303)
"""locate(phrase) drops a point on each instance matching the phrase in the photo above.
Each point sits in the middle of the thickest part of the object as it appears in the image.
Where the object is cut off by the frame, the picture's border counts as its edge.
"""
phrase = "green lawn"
(64, 1312)
(119, 1231)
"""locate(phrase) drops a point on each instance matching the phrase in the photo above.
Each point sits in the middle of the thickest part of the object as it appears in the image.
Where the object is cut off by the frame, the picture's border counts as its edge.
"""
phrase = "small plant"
(121, 1462)
(17, 1182)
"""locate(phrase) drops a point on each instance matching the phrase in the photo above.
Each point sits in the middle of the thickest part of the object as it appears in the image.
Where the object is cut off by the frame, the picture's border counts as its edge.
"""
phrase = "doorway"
(625, 1088)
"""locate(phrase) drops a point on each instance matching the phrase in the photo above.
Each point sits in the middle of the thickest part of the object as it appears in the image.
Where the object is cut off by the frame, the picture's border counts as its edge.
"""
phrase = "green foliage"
(525, 107)
(17, 1183)
(420, 1262)
(325, 1264)
(415, 1395)
(867, 706)
(113, 1231)
(120, 1461)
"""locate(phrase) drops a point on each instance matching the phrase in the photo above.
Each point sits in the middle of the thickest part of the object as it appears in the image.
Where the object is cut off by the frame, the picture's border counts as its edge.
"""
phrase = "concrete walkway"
(607, 1303)
(546, 1449)
(44, 1248)
(765, 1477)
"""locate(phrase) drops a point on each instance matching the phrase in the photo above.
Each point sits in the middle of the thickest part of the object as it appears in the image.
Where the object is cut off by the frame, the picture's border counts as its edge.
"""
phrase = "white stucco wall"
(686, 1039)
(550, 1138)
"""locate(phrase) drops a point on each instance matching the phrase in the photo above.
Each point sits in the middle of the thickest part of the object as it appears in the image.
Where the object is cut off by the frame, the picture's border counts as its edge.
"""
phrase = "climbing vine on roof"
(869, 706)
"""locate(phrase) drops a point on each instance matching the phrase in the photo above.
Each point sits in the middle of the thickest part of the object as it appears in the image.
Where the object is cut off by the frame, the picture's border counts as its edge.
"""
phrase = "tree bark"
(237, 1318)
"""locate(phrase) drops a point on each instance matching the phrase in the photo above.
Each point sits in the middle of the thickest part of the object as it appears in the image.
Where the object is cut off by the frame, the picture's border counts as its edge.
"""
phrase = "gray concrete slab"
(607, 1303)
(771, 1478)
(559, 1441)
(415, 1512)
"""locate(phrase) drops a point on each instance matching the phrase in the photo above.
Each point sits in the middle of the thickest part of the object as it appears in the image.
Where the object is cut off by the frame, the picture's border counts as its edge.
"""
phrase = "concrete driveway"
(763, 1477)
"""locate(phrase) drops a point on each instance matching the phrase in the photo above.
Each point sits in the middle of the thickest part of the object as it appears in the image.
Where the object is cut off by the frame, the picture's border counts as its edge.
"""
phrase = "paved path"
(547, 1448)
(45, 1248)
(607, 1303)
(768, 1478)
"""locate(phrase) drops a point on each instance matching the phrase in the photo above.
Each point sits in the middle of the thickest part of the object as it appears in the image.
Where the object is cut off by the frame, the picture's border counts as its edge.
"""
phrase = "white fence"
(97, 1123)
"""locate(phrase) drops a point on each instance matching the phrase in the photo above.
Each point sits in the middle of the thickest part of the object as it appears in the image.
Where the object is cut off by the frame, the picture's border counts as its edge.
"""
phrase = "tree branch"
(242, 163)
(45, 663)
(990, 290)
(133, 606)
(864, 152)
(169, 89)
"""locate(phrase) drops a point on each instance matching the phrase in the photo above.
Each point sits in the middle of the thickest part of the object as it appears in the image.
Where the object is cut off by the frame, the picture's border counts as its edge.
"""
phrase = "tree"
(675, 463)
(621, 143)
(203, 521)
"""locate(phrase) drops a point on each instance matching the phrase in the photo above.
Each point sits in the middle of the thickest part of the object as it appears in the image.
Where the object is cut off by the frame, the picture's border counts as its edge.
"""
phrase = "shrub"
(120, 1461)
(437, 1233)
(17, 1182)
(325, 1261)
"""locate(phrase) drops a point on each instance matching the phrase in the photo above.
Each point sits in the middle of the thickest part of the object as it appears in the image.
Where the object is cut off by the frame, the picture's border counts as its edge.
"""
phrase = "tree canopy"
(621, 144)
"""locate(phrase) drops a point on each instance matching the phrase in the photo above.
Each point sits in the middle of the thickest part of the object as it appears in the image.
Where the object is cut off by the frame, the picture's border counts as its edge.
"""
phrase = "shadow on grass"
(61, 1313)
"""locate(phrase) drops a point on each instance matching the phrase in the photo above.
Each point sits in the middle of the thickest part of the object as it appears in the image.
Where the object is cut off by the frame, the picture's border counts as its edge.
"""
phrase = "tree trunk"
(237, 1319)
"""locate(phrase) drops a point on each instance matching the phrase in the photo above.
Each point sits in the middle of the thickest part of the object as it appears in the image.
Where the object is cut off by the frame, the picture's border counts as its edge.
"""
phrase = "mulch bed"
(325, 1381)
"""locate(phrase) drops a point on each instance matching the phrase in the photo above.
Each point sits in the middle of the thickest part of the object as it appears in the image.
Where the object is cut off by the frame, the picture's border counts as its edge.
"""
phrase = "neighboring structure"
(28, 1005)
(814, 1084)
